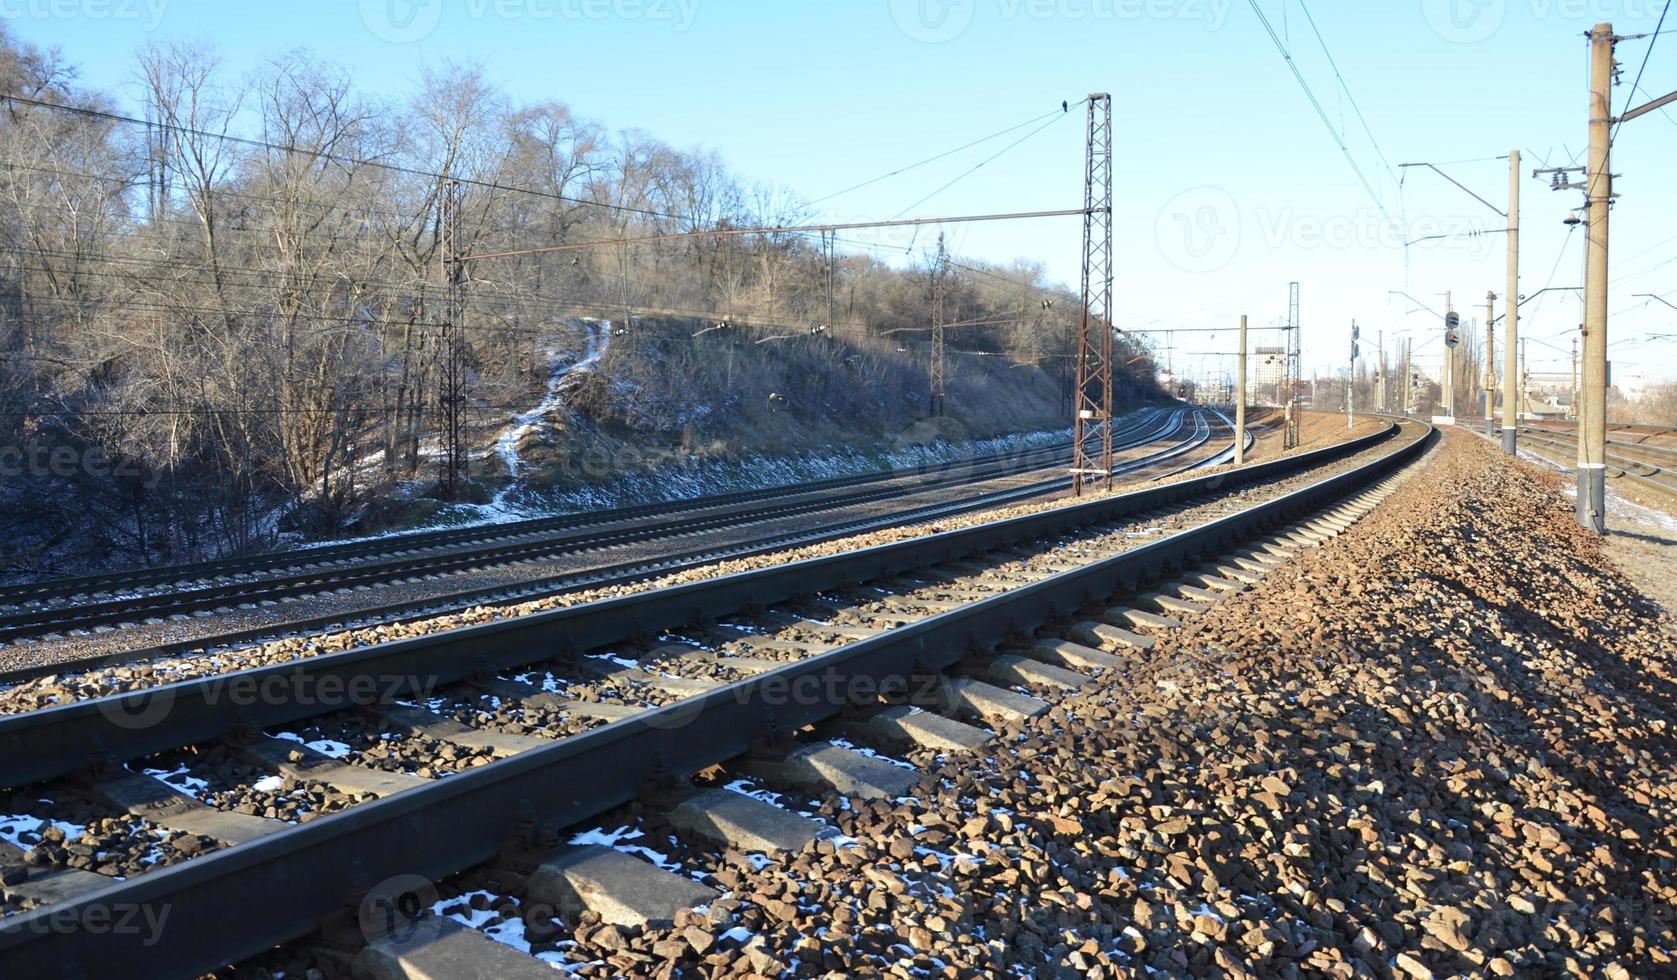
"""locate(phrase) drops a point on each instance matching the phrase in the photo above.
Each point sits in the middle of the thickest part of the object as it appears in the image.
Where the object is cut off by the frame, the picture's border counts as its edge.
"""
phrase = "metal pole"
(1092, 411)
(453, 361)
(939, 266)
(1511, 328)
(1490, 362)
(1351, 378)
(1449, 371)
(1240, 399)
(1592, 424)
(1295, 366)
(1574, 405)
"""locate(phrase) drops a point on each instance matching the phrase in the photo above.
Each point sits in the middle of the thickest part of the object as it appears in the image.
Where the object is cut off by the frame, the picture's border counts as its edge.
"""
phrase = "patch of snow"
(178, 778)
(614, 840)
(470, 917)
(325, 746)
(14, 826)
(506, 446)
(870, 753)
(613, 658)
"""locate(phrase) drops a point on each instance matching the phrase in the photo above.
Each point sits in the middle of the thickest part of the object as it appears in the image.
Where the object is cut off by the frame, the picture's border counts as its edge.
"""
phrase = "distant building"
(1269, 370)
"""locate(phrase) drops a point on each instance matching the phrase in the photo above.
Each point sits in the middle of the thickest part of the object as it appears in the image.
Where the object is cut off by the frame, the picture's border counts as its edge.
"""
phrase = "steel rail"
(33, 622)
(398, 544)
(1665, 453)
(49, 742)
(619, 574)
(289, 881)
(1658, 477)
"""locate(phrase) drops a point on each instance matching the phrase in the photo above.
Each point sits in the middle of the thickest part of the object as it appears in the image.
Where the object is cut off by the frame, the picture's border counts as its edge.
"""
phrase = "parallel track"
(390, 547)
(113, 600)
(620, 573)
(1650, 474)
(298, 875)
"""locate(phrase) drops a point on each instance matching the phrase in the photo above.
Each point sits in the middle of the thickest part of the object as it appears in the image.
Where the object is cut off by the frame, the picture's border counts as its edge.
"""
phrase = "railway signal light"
(1452, 320)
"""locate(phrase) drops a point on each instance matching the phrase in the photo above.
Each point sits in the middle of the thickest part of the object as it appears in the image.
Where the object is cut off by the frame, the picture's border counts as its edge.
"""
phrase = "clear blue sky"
(1228, 183)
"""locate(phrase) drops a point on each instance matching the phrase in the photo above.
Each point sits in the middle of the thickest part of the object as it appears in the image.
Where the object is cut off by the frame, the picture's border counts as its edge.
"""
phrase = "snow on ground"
(696, 478)
(1617, 505)
(506, 446)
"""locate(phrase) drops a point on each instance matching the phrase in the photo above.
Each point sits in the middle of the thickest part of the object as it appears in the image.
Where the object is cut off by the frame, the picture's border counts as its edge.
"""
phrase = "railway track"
(521, 727)
(49, 610)
(1656, 470)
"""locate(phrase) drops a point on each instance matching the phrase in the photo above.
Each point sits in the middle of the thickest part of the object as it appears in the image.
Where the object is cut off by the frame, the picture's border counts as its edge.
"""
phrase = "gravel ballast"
(47, 691)
(1439, 745)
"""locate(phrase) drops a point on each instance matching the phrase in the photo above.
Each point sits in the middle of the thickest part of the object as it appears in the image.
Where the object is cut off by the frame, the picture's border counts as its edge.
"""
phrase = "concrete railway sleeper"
(801, 678)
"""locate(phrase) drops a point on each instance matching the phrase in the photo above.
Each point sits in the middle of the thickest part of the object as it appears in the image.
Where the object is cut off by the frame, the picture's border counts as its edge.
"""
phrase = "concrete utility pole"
(1408, 381)
(1490, 362)
(1598, 190)
(1380, 381)
(1240, 399)
(1511, 328)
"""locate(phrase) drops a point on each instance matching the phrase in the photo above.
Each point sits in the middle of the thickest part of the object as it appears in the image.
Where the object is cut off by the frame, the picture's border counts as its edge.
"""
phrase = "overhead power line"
(1637, 82)
(977, 166)
(326, 155)
(933, 159)
(1320, 112)
(779, 230)
(1355, 108)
